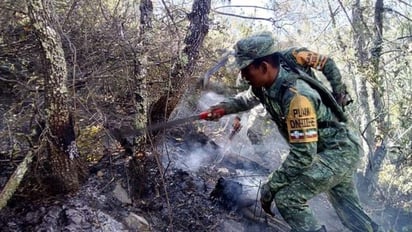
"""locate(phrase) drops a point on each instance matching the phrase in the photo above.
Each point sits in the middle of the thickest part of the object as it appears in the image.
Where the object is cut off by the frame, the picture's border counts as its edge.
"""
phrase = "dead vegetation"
(107, 56)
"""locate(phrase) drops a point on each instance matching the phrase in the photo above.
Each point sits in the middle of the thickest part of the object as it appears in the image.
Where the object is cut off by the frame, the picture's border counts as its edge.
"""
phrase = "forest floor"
(203, 188)
(205, 182)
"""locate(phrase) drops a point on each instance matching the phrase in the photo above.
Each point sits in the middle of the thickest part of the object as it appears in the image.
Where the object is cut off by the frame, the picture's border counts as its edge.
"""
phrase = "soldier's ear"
(264, 66)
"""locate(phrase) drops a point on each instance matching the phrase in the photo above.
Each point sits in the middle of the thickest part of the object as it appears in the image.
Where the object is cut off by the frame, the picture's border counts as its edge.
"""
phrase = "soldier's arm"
(325, 64)
(243, 101)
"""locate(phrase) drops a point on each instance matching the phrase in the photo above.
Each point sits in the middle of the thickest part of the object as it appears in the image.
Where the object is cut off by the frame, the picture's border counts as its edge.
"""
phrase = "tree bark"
(359, 42)
(66, 166)
(376, 159)
(376, 50)
(359, 37)
(374, 117)
(366, 121)
(141, 101)
(183, 70)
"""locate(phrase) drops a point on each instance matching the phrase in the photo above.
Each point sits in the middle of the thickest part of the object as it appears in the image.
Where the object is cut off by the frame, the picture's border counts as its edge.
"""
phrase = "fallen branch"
(15, 179)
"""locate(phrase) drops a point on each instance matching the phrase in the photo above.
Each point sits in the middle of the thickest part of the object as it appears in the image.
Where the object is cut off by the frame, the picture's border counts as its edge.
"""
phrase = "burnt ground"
(179, 200)
(205, 183)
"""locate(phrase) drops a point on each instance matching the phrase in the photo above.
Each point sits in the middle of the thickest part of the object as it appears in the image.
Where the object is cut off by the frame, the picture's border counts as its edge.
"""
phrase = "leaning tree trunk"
(66, 166)
(376, 159)
(359, 42)
(182, 72)
(374, 117)
(359, 34)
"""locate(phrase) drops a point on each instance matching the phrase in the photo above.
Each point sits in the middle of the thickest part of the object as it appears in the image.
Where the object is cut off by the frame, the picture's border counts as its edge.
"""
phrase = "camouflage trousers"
(339, 186)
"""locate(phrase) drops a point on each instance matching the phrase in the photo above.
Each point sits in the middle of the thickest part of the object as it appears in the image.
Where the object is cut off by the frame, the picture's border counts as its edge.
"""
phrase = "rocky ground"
(194, 179)
(104, 202)
(205, 187)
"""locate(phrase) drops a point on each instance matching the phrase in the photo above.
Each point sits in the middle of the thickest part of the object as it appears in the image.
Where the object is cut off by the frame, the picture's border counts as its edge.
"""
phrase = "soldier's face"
(262, 75)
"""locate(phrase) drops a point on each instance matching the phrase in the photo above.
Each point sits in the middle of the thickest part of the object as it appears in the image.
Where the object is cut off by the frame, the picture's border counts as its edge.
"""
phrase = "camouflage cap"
(254, 47)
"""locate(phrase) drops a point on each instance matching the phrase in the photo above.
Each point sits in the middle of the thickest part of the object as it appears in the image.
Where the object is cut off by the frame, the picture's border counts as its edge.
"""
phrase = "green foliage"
(90, 144)
(397, 185)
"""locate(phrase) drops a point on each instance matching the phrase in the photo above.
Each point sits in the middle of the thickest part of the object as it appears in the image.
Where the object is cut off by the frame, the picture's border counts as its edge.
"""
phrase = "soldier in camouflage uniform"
(305, 60)
(323, 153)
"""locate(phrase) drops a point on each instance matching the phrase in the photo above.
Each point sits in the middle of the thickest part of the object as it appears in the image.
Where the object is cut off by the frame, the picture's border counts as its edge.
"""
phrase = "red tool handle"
(214, 113)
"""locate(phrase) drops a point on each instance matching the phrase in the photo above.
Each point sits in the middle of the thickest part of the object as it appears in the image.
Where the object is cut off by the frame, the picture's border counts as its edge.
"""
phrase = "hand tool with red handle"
(206, 115)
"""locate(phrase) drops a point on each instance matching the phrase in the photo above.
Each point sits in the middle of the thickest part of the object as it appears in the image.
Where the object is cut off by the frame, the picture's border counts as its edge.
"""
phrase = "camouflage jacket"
(297, 109)
(305, 60)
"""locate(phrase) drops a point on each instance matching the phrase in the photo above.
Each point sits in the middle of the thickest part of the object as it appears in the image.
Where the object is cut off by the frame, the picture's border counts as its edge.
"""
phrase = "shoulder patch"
(308, 58)
(301, 120)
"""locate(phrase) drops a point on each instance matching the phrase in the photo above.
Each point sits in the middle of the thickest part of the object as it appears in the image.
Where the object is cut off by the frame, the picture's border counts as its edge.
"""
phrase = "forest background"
(71, 69)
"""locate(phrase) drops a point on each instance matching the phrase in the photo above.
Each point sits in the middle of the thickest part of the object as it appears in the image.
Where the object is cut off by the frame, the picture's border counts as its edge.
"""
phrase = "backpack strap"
(325, 94)
(329, 124)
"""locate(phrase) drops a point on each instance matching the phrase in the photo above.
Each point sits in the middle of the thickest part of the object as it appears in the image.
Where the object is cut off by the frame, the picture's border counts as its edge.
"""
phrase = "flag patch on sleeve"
(301, 121)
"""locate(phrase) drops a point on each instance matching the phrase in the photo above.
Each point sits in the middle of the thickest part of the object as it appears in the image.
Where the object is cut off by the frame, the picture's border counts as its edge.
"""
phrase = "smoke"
(196, 159)
(209, 99)
(250, 161)
(210, 146)
(216, 146)
(255, 161)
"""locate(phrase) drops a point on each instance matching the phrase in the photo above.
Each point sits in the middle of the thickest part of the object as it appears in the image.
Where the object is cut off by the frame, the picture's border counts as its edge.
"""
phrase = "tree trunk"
(359, 34)
(66, 166)
(376, 159)
(141, 100)
(182, 72)
(359, 41)
(366, 120)
(376, 50)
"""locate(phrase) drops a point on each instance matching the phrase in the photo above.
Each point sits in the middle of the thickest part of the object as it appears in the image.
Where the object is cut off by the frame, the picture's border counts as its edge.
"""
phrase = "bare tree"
(141, 99)
(376, 158)
(67, 169)
(182, 72)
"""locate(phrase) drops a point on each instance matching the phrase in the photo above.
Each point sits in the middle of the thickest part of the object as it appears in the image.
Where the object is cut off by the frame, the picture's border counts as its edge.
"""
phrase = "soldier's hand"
(266, 198)
(215, 113)
(343, 98)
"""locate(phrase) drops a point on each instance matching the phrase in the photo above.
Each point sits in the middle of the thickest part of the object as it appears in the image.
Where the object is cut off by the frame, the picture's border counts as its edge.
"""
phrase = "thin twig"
(171, 17)
(347, 16)
(162, 178)
(272, 20)
(15, 180)
(243, 6)
(397, 12)
(256, 200)
(370, 122)
(408, 4)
